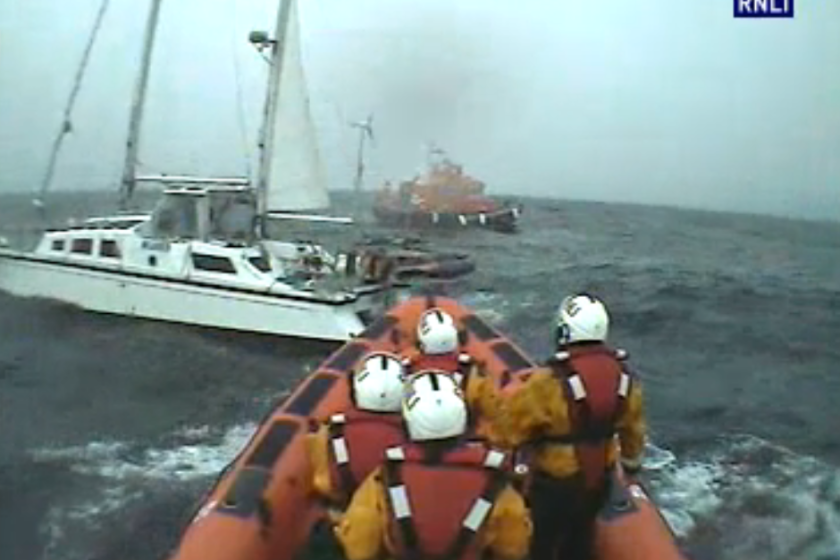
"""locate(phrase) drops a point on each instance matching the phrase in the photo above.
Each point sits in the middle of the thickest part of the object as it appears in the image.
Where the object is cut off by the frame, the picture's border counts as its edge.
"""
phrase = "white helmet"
(378, 383)
(582, 318)
(434, 406)
(436, 332)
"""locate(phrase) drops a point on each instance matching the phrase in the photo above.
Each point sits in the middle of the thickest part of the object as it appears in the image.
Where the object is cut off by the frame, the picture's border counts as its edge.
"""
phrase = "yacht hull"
(186, 301)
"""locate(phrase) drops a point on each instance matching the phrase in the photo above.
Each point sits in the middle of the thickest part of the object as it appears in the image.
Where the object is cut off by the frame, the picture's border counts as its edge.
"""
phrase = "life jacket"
(452, 362)
(358, 440)
(437, 508)
(596, 387)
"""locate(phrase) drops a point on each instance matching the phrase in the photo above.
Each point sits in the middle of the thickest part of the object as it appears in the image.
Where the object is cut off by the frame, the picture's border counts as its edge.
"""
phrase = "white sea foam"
(202, 455)
(489, 306)
(758, 498)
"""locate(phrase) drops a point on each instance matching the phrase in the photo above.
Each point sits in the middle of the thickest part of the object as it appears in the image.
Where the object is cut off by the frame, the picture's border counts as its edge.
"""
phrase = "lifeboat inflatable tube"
(262, 506)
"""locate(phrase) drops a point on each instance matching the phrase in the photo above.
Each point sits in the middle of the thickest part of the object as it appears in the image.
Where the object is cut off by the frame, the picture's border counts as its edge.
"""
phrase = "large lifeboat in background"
(443, 197)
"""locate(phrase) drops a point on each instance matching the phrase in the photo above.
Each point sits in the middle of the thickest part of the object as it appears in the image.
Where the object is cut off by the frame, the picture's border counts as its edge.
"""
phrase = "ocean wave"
(740, 498)
(127, 480)
(201, 454)
(746, 498)
(488, 305)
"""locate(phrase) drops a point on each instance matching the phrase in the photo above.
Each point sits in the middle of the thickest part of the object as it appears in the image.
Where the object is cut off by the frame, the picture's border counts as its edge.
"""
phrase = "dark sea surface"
(111, 428)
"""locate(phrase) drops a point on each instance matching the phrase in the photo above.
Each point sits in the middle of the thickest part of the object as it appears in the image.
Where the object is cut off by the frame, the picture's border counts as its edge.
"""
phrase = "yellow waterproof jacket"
(318, 448)
(483, 400)
(363, 529)
(539, 408)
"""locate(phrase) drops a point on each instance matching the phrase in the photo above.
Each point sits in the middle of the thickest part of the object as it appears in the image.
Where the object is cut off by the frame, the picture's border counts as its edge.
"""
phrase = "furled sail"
(296, 178)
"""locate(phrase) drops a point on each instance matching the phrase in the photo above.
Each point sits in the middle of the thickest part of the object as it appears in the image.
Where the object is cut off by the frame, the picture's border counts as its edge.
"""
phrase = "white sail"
(296, 177)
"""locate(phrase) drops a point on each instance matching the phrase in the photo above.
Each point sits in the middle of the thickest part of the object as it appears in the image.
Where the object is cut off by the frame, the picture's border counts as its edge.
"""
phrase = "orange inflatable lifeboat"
(262, 506)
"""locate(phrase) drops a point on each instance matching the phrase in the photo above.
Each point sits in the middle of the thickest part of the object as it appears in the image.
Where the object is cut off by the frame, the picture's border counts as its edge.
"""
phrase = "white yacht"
(202, 256)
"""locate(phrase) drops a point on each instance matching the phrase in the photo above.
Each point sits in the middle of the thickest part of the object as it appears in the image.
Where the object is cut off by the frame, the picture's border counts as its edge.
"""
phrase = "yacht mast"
(129, 180)
(365, 132)
(266, 143)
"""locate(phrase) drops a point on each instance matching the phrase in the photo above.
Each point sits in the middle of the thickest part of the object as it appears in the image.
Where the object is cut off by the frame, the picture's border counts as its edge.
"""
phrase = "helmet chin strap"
(562, 335)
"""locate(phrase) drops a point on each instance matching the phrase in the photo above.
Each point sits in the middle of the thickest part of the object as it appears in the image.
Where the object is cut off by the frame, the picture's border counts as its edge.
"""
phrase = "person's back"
(437, 496)
(567, 415)
(602, 400)
(347, 447)
(440, 498)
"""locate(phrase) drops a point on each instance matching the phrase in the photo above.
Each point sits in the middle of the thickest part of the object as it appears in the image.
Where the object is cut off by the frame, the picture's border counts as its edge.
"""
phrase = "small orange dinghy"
(262, 507)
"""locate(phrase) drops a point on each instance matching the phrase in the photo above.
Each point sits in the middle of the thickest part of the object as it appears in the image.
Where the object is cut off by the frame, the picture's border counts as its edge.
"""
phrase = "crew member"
(437, 496)
(567, 415)
(437, 345)
(350, 445)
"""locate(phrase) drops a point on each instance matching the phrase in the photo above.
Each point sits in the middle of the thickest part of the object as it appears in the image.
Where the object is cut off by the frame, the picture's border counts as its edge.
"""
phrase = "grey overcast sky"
(653, 101)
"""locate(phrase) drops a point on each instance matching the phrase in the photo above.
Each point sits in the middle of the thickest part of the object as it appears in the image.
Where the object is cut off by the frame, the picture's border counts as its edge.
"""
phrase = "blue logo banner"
(763, 8)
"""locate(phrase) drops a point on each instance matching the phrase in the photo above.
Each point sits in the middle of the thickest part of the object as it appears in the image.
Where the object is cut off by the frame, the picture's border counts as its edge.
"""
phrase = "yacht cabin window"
(82, 246)
(176, 216)
(108, 248)
(232, 215)
(213, 263)
(260, 262)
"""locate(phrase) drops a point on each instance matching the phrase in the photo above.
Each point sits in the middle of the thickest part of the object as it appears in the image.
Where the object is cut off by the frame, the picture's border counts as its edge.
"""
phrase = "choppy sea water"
(111, 428)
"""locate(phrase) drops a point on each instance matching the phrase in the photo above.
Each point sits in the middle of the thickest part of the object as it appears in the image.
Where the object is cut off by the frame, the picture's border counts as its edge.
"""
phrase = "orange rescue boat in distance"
(262, 507)
(444, 197)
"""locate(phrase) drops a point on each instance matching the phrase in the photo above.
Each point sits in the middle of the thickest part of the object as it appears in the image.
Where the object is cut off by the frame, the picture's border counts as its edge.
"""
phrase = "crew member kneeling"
(569, 413)
(437, 496)
(351, 444)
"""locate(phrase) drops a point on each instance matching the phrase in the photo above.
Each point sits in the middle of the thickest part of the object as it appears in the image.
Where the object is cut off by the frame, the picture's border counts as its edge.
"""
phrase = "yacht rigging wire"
(66, 122)
(242, 120)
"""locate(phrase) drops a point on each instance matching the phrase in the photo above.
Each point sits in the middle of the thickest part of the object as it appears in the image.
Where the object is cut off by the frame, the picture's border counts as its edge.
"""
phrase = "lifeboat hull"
(630, 527)
(262, 506)
(503, 220)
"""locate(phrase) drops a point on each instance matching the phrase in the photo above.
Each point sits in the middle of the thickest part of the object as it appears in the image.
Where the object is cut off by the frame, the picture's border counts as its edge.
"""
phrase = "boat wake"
(118, 489)
(745, 498)
(738, 499)
(201, 452)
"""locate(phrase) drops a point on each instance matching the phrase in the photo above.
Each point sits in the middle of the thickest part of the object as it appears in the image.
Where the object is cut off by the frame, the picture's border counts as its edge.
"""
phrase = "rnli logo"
(571, 307)
(411, 398)
(763, 8)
